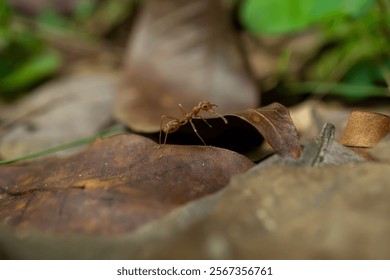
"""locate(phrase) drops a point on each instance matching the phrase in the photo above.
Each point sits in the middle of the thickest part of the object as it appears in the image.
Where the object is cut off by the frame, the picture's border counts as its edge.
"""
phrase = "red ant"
(175, 123)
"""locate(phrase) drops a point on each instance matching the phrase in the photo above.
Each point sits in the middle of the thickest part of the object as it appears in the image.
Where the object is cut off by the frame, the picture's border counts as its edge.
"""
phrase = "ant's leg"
(211, 111)
(183, 110)
(196, 132)
(159, 137)
(200, 117)
(161, 126)
(165, 141)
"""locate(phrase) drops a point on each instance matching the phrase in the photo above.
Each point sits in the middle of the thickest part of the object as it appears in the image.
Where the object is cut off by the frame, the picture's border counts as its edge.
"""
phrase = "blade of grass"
(65, 146)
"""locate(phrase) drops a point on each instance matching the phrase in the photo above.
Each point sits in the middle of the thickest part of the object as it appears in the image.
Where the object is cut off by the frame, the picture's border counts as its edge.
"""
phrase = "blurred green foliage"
(356, 41)
(354, 60)
(283, 16)
(25, 59)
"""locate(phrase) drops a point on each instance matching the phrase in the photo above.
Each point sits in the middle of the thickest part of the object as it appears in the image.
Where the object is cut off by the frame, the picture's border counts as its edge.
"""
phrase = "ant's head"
(206, 105)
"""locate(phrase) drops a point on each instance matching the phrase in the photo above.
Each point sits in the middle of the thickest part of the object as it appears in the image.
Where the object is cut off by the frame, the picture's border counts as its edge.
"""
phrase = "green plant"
(25, 59)
(356, 33)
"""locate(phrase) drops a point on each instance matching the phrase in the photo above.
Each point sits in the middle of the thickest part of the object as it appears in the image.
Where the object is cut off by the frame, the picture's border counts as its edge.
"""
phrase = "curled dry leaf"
(275, 124)
(181, 52)
(365, 129)
(245, 132)
(114, 186)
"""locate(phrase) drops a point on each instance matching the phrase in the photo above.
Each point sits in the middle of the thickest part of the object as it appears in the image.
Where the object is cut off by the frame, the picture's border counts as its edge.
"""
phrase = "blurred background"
(289, 51)
(293, 47)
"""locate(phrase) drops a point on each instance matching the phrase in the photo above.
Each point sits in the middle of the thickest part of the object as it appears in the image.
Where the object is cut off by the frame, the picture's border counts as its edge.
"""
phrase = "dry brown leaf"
(269, 212)
(276, 126)
(181, 52)
(58, 112)
(245, 132)
(365, 129)
(116, 185)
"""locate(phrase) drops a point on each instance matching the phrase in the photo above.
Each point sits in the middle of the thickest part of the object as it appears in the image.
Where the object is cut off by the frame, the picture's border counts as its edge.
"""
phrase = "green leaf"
(31, 71)
(356, 8)
(364, 75)
(324, 10)
(51, 17)
(284, 16)
(84, 9)
(275, 16)
(5, 14)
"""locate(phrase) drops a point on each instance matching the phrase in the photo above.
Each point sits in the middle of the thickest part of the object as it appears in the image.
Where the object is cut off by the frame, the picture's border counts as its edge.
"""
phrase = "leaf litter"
(336, 212)
(122, 186)
(116, 185)
(120, 183)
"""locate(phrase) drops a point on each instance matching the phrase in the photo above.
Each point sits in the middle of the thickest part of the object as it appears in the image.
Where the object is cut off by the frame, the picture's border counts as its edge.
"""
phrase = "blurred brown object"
(365, 129)
(182, 52)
